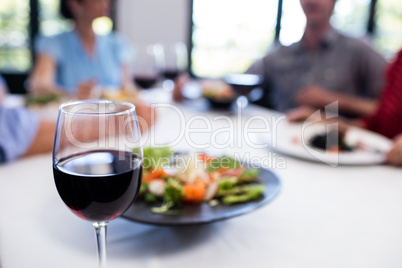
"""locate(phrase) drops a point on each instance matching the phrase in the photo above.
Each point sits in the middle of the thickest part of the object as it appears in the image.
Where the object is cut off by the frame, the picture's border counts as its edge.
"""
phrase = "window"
(14, 36)
(50, 20)
(351, 16)
(20, 21)
(292, 22)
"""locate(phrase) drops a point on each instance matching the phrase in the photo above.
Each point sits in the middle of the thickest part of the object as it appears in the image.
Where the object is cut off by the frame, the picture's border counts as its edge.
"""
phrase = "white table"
(323, 217)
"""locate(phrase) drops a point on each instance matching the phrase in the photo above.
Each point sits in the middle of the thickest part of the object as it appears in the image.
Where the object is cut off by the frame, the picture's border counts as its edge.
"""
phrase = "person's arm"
(319, 97)
(304, 113)
(43, 76)
(394, 156)
(20, 131)
(43, 141)
(127, 81)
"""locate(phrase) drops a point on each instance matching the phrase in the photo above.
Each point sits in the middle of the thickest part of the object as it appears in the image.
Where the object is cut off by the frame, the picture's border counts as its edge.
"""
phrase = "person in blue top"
(75, 62)
(22, 132)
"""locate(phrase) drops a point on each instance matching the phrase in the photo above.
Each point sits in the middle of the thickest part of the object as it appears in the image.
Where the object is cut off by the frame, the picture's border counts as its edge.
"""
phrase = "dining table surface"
(325, 215)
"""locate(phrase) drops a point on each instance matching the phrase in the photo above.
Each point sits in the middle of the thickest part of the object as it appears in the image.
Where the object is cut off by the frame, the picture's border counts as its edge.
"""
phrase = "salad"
(42, 99)
(217, 90)
(171, 180)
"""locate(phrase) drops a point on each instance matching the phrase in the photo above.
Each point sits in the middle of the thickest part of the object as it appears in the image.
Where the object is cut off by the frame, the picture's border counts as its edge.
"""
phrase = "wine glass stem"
(168, 85)
(100, 231)
(242, 102)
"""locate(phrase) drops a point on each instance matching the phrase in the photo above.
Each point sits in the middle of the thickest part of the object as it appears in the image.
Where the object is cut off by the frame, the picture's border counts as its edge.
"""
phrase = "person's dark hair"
(65, 10)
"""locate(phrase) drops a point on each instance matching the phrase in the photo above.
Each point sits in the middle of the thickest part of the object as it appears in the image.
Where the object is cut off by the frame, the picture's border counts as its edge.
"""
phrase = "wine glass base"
(241, 102)
(168, 85)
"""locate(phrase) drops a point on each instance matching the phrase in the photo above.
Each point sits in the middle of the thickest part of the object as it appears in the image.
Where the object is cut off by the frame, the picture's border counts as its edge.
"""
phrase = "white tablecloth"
(323, 217)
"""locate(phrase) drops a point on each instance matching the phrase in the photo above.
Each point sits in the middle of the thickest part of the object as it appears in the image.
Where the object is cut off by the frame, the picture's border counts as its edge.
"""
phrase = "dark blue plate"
(191, 214)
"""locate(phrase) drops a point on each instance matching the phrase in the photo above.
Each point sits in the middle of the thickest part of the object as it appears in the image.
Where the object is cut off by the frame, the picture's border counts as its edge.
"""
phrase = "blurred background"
(223, 36)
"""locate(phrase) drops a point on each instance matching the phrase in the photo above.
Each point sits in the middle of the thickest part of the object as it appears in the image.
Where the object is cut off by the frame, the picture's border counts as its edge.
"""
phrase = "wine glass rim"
(130, 107)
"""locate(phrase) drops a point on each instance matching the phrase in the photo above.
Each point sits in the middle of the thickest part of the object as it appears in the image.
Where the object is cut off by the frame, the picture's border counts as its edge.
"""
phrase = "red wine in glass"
(145, 81)
(98, 185)
(171, 73)
(172, 59)
(145, 68)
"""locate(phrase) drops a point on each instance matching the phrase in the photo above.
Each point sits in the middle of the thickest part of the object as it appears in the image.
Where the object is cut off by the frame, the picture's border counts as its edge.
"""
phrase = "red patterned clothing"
(388, 118)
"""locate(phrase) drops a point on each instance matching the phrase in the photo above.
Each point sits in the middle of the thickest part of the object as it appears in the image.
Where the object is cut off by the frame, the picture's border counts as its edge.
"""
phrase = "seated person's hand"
(178, 87)
(301, 114)
(304, 113)
(86, 89)
(394, 156)
(315, 96)
(146, 116)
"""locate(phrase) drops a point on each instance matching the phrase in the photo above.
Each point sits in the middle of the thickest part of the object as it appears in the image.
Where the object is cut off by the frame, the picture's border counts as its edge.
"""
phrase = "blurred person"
(323, 67)
(386, 120)
(74, 62)
(21, 132)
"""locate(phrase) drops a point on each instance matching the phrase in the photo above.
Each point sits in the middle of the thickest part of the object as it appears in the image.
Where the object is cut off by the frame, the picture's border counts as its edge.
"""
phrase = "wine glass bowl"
(145, 69)
(173, 61)
(219, 94)
(97, 161)
(243, 84)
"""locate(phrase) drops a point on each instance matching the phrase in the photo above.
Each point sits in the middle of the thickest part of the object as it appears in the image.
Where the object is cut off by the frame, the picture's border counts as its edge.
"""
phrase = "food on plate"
(217, 90)
(332, 141)
(119, 95)
(172, 180)
(41, 99)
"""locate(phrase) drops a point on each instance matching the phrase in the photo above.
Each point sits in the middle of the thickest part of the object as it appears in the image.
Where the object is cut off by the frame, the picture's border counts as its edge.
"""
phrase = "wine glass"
(243, 84)
(97, 161)
(173, 62)
(145, 68)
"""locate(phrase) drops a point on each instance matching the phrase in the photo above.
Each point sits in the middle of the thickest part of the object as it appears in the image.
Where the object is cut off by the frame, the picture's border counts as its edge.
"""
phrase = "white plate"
(293, 139)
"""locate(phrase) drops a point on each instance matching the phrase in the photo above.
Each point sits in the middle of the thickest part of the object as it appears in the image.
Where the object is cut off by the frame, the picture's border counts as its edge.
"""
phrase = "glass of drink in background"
(243, 85)
(172, 62)
(145, 68)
